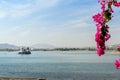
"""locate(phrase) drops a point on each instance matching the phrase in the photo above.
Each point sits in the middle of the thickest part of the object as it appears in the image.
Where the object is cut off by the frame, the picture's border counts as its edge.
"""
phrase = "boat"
(24, 51)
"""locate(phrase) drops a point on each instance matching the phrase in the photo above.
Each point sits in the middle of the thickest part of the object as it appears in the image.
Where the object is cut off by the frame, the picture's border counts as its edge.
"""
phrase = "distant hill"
(43, 46)
(7, 46)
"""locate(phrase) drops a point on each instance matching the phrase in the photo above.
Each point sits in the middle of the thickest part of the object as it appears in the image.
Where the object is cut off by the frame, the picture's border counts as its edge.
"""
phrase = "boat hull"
(26, 52)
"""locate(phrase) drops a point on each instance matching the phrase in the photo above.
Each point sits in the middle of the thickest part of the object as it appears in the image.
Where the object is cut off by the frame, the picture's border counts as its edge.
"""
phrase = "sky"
(62, 23)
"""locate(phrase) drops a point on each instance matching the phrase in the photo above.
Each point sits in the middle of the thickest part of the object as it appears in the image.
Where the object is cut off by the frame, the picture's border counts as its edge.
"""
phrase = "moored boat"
(24, 51)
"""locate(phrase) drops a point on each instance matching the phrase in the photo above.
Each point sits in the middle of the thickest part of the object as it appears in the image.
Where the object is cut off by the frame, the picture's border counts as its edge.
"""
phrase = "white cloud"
(18, 10)
(2, 14)
(79, 23)
(15, 28)
(46, 3)
(25, 34)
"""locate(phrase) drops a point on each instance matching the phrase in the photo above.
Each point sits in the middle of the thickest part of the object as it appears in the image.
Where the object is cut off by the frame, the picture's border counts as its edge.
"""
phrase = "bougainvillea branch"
(101, 19)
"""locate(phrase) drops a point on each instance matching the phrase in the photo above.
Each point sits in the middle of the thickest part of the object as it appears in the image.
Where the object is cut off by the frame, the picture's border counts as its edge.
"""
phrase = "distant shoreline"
(64, 49)
(54, 49)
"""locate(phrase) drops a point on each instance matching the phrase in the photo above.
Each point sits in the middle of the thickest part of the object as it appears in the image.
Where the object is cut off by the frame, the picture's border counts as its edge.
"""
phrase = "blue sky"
(62, 23)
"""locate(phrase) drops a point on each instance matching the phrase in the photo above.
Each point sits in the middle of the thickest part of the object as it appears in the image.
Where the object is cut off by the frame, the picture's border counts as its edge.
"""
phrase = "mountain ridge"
(7, 46)
(12, 46)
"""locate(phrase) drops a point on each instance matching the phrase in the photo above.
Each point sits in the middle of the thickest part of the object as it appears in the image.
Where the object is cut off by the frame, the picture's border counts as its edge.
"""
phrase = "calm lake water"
(76, 65)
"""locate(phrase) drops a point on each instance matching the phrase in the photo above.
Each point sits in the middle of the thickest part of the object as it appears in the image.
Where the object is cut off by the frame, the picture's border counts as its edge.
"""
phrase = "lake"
(59, 65)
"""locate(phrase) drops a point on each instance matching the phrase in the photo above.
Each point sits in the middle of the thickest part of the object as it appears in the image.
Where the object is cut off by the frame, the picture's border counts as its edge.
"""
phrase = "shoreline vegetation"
(59, 49)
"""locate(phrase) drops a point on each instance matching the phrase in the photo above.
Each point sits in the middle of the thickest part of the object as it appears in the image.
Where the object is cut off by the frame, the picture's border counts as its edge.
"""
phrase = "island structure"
(24, 51)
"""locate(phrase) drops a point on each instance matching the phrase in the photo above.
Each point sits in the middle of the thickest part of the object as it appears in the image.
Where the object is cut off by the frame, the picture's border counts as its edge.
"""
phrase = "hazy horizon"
(56, 22)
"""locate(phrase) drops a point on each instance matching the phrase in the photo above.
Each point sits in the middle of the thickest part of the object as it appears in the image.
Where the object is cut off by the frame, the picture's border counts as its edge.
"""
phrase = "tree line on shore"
(59, 49)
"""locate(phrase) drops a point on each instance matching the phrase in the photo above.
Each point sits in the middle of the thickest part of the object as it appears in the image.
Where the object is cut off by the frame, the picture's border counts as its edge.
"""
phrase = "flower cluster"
(117, 64)
(118, 47)
(101, 19)
(117, 4)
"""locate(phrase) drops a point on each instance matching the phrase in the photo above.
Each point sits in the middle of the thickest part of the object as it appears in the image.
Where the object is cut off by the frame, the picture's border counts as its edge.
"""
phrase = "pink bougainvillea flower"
(99, 18)
(117, 64)
(100, 51)
(107, 36)
(117, 4)
(118, 46)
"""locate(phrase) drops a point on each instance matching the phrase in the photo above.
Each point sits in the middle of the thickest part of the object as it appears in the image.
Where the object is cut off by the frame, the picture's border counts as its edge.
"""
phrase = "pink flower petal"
(117, 64)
